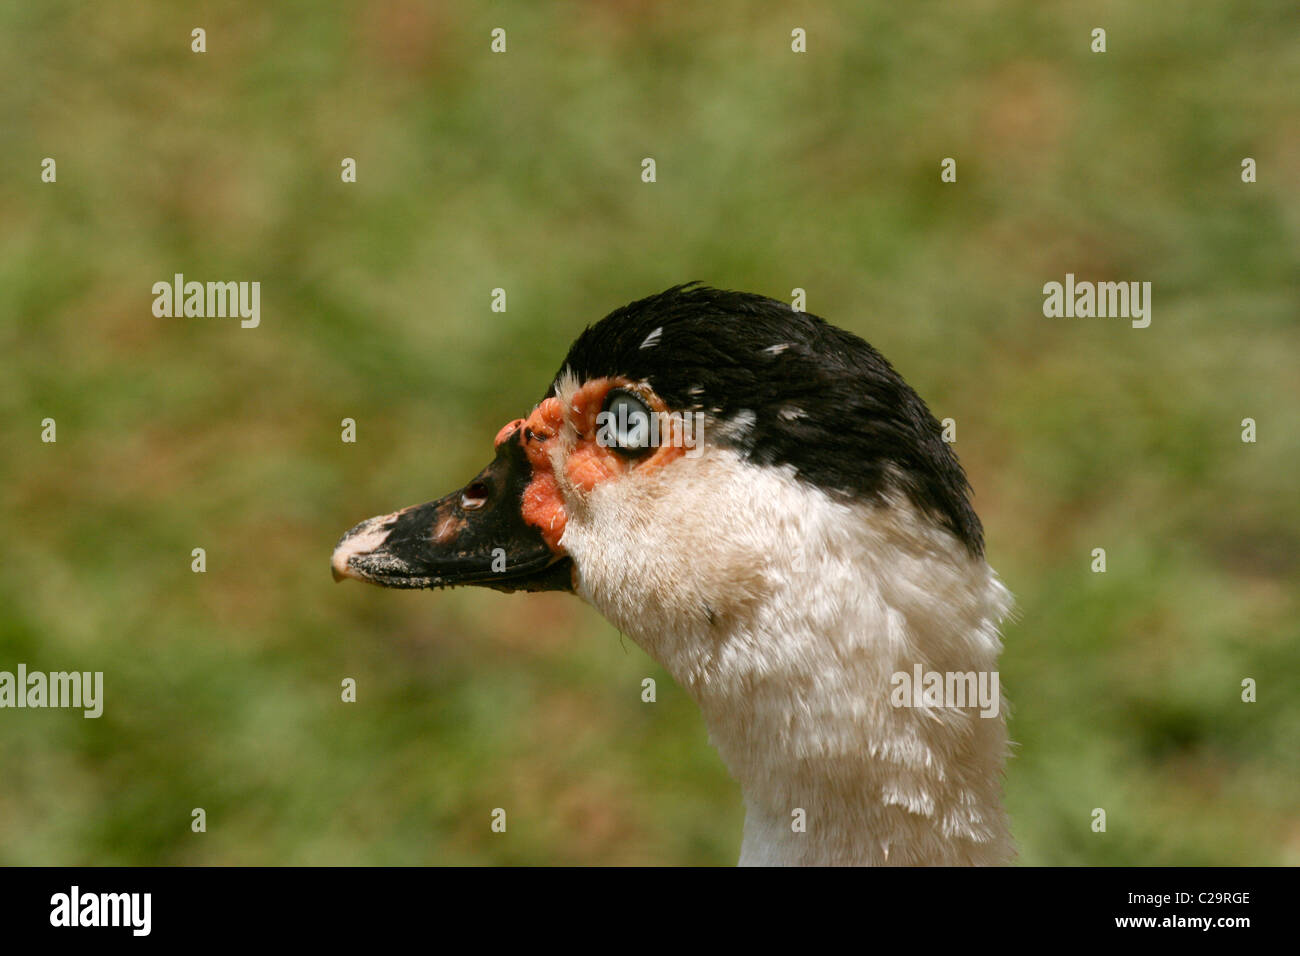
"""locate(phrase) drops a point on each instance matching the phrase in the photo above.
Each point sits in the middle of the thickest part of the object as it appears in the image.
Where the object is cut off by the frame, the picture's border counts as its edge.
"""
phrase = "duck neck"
(786, 613)
(843, 759)
(807, 693)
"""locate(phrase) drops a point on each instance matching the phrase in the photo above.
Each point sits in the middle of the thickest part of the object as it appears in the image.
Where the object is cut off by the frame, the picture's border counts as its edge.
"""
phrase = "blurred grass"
(522, 171)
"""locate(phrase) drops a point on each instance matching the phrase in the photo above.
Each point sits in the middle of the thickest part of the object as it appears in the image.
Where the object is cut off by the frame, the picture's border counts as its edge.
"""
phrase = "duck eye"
(624, 424)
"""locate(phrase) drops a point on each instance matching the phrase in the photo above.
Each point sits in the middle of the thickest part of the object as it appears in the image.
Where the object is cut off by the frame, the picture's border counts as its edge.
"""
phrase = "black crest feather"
(822, 399)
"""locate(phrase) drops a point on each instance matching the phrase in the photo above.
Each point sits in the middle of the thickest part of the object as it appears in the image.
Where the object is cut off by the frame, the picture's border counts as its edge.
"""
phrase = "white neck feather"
(786, 614)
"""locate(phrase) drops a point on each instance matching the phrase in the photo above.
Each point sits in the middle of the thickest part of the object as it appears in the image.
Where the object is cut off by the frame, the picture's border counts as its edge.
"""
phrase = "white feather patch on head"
(566, 387)
(738, 429)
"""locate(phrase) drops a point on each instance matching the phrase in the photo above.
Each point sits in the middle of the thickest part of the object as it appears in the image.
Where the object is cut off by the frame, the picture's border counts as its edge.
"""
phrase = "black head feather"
(822, 399)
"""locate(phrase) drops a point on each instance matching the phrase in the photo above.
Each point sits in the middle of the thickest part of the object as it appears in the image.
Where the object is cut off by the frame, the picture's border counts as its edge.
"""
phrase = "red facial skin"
(589, 463)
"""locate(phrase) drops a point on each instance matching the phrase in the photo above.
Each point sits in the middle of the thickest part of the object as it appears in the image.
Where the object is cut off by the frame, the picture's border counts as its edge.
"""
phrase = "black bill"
(474, 536)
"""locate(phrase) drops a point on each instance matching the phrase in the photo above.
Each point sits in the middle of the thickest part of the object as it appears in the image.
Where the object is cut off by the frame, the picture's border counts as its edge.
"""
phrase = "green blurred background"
(522, 171)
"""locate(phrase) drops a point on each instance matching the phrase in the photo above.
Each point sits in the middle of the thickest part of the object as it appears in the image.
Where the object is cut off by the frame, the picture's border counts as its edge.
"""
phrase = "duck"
(761, 502)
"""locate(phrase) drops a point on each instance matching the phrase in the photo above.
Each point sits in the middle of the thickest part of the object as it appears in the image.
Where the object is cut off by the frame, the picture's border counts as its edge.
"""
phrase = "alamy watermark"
(959, 689)
(211, 300)
(1103, 300)
(74, 908)
(75, 689)
(636, 429)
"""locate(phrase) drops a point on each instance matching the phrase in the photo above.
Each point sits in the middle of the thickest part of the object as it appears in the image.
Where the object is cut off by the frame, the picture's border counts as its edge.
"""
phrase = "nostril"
(474, 496)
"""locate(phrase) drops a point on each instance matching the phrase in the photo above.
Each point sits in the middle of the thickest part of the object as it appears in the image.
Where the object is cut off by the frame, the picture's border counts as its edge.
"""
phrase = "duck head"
(760, 501)
(678, 389)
